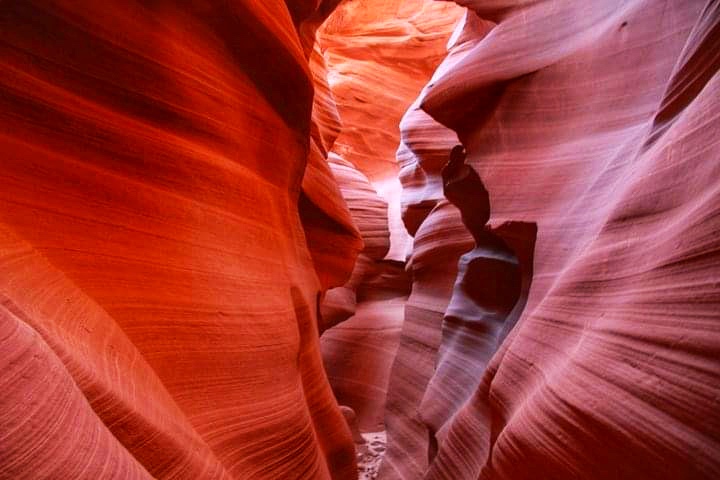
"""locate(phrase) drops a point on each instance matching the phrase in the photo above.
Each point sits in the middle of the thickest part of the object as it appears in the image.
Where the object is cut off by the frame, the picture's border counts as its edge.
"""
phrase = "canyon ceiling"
(234, 233)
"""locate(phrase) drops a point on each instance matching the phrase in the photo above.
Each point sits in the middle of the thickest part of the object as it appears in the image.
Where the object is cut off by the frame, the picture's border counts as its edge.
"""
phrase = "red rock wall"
(170, 227)
(331, 234)
(378, 54)
(597, 122)
(159, 299)
(369, 214)
(358, 352)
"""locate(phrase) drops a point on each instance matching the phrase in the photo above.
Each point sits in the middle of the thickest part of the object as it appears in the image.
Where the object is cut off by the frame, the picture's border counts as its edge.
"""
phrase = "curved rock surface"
(378, 54)
(192, 194)
(369, 214)
(358, 352)
(159, 299)
(594, 121)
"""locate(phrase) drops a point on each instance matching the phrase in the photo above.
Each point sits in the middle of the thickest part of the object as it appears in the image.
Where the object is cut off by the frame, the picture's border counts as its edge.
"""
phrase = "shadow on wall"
(488, 298)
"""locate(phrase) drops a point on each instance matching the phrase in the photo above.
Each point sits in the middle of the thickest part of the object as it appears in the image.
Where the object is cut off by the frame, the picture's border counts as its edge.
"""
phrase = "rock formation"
(379, 54)
(497, 247)
(595, 122)
(359, 351)
(158, 295)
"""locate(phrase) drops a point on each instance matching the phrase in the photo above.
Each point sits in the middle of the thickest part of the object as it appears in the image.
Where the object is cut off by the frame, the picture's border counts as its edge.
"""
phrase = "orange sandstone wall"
(158, 297)
(379, 54)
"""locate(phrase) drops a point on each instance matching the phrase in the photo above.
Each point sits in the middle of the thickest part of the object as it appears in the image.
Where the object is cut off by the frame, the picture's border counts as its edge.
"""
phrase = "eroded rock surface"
(158, 296)
(191, 194)
(378, 54)
(595, 122)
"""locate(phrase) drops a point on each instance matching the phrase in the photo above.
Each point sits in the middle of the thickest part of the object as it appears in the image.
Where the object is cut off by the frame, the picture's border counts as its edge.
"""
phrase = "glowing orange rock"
(158, 296)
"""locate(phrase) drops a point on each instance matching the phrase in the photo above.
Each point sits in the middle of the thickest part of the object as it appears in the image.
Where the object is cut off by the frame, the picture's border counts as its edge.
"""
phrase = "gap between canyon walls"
(408, 343)
(193, 192)
(376, 56)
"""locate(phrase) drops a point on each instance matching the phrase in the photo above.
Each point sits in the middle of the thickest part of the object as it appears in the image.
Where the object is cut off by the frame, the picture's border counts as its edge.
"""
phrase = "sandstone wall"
(594, 121)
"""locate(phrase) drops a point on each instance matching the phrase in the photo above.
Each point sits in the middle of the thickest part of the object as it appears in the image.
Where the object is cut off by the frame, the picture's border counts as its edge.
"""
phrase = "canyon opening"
(360, 239)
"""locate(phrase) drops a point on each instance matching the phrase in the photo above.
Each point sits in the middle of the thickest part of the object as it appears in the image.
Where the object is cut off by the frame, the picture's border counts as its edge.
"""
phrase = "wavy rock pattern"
(369, 214)
(159, 301)
(439, 240)
(192, 194)
(379, 54)
(332, 236)
(485, 301)
(595, 122)
(358, 353)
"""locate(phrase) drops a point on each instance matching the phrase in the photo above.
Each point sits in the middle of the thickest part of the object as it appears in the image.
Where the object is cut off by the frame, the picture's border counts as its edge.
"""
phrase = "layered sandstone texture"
(379, 53)
(593, 127)
(190, 195)
(160, 269)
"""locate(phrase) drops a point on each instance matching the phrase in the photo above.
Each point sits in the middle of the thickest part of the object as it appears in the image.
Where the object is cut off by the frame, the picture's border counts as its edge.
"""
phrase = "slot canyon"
(375, 239)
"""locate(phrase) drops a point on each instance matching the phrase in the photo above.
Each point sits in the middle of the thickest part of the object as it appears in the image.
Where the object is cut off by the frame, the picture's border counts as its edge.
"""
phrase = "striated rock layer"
(192, 194)
(596, 122)
(379, 54)
(159, 264)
